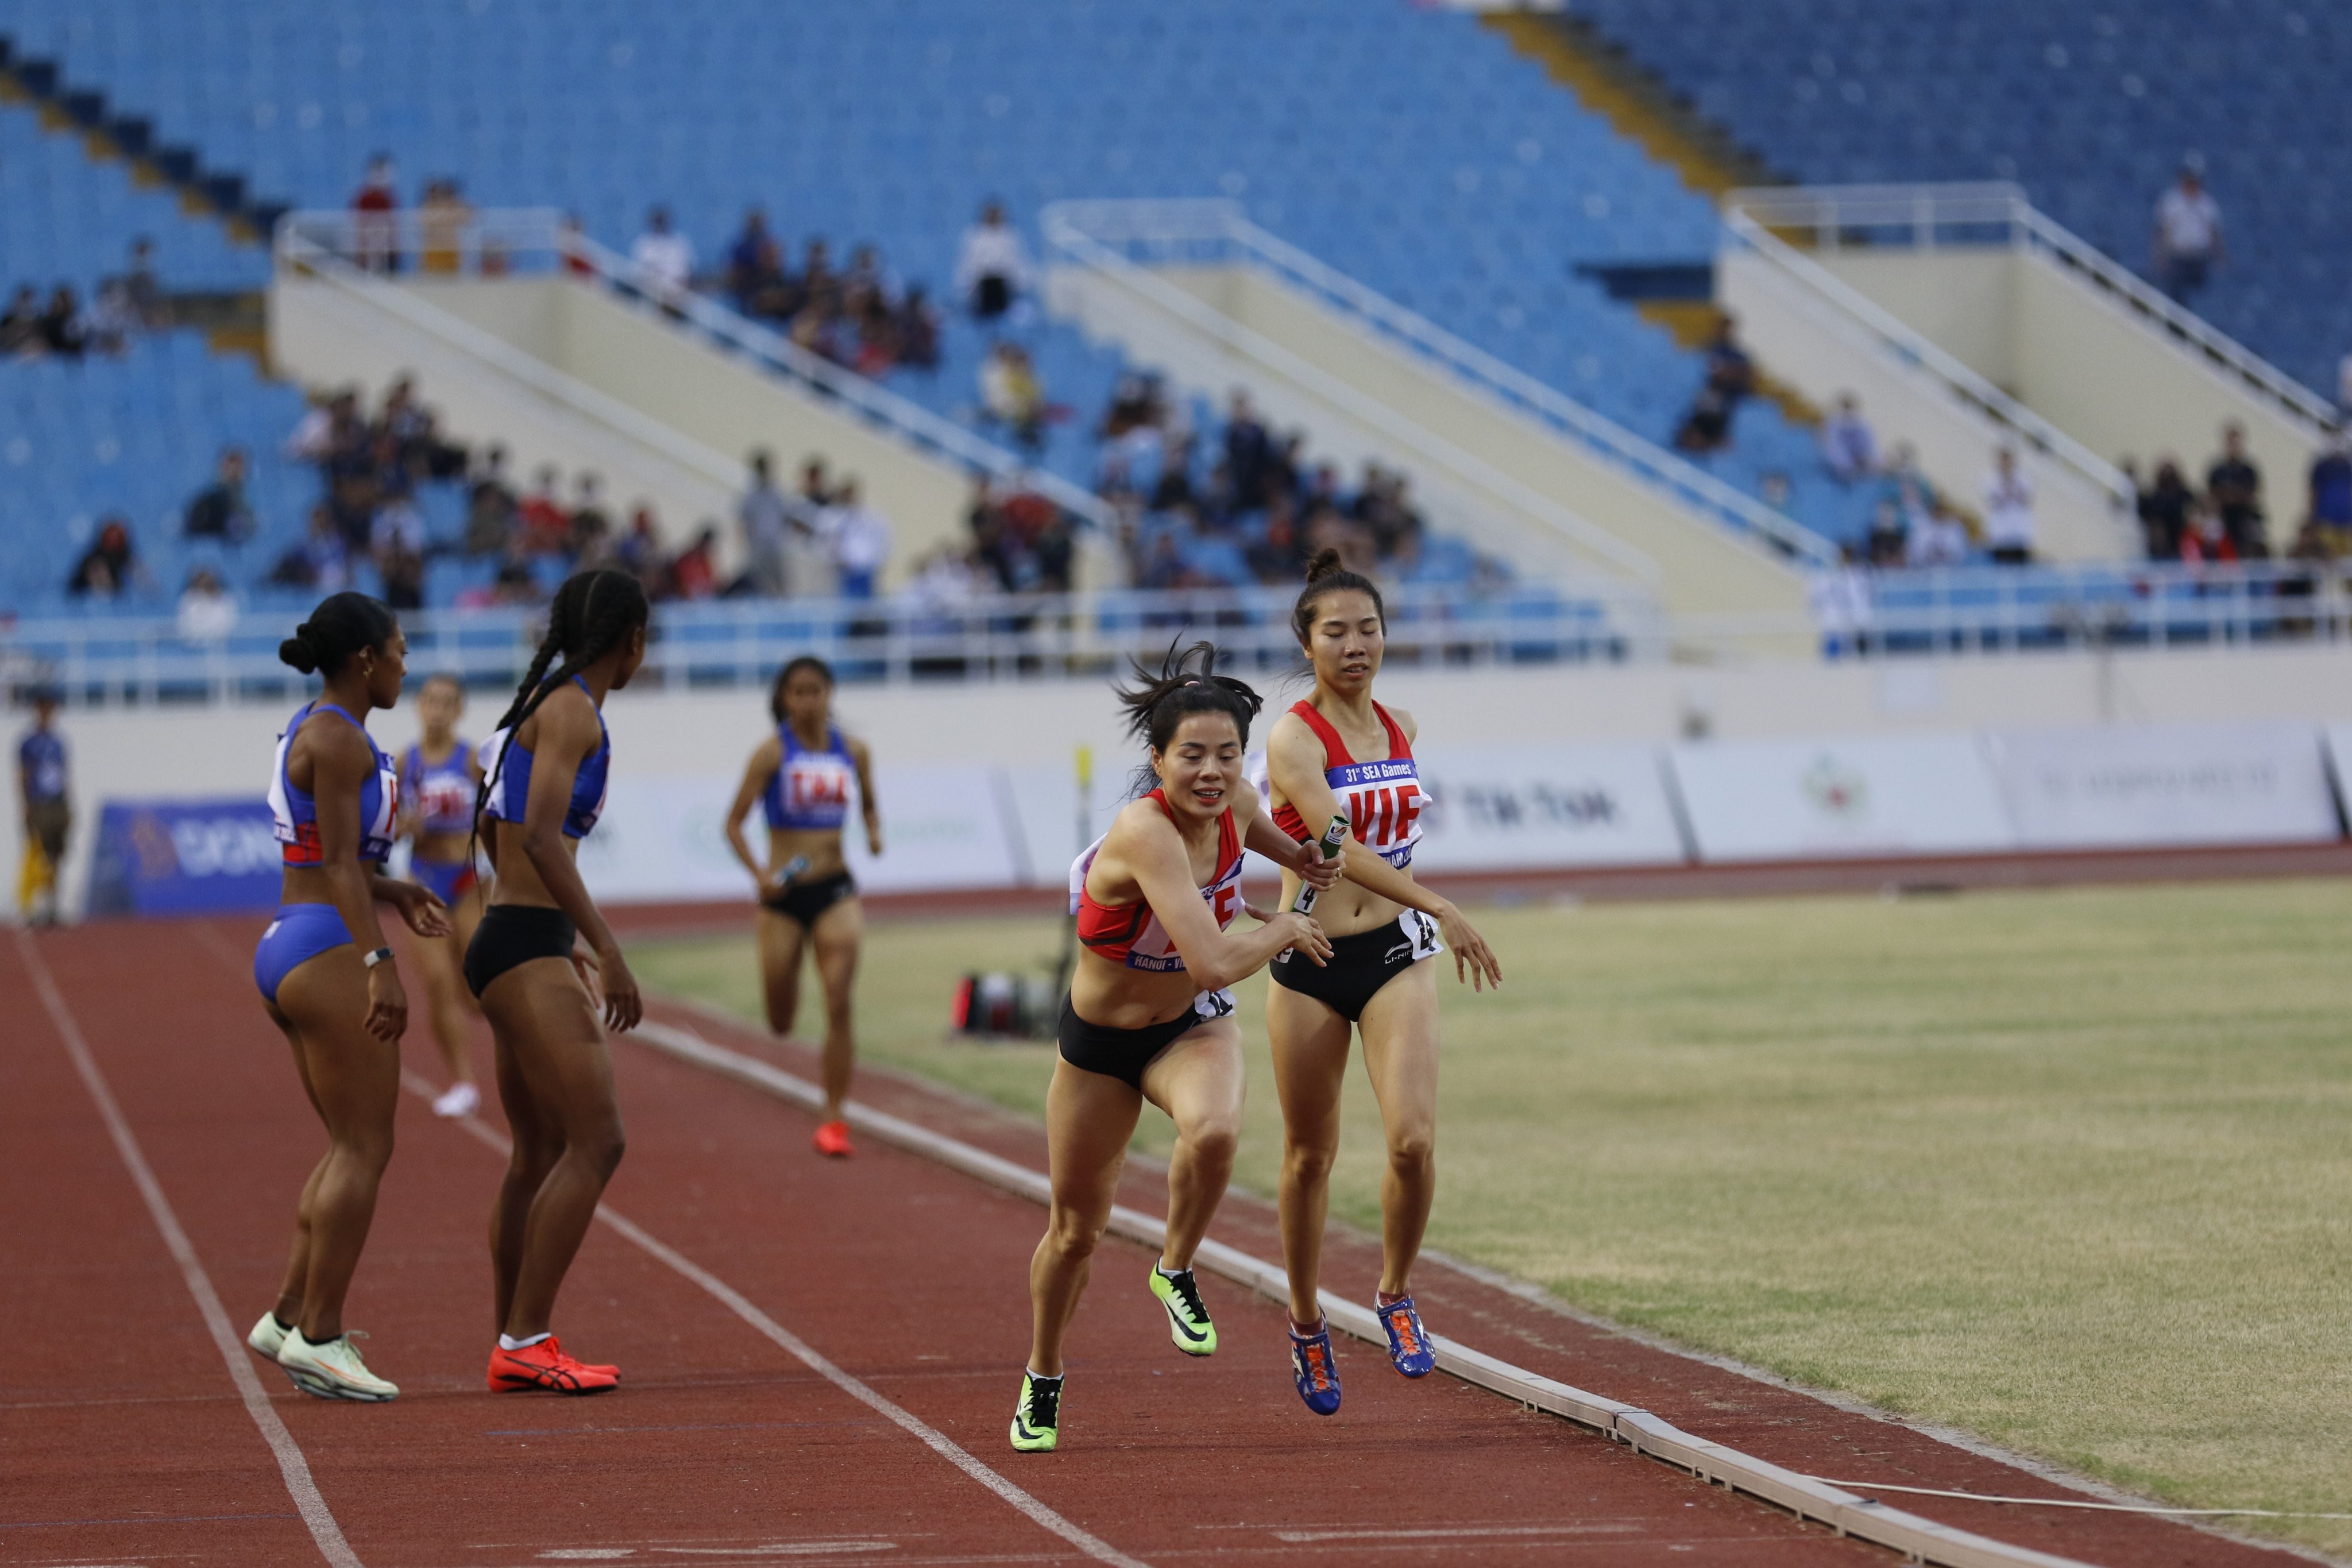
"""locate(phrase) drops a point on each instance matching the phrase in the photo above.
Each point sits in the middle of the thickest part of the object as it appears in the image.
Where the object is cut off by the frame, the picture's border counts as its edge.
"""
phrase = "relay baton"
(1305, 902)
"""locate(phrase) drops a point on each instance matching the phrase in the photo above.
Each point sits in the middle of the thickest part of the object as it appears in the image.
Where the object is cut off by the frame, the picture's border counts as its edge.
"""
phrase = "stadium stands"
(2090, 105)
(891, 123)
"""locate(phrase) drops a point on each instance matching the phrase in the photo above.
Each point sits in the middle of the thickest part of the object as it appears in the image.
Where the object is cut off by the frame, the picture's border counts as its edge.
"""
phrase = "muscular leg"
(553, 1058)
(1311, 1059)
(1399, 1029)
(288, 1308)
(838, 933)
(1199, 1081)
(354, 1081)
(446, 998)
(537, 1142)
(781, 940)
(1088, 1119)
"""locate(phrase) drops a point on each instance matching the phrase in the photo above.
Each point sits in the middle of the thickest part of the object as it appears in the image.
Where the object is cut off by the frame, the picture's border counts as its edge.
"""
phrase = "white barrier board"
(2157, 784)
(1873, 795)
(1541, 807)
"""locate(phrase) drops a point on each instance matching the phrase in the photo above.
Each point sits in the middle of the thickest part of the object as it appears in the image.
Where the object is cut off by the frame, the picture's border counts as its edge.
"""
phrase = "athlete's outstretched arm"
(765, 760)
(1293, 762)
(568, 734)
(1150, 849)
(863, 761)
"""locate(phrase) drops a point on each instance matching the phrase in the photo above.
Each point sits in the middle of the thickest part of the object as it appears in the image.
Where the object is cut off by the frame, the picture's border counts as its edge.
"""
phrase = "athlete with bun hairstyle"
(439, 782)
(802, 775)
(543, 788)
(328, 980)
(1148, 1016)
(1339, 753)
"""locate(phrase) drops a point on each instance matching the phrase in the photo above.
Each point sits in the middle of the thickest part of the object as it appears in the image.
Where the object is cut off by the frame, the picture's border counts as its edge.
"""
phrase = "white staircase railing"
(1996, 214)
(535, 240)
(1212, 232)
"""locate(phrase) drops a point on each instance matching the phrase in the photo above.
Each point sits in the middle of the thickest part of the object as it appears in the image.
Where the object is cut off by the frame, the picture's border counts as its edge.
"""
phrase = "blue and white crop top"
(507, 764)
(295, 811)
(442, 793)
(808, 791)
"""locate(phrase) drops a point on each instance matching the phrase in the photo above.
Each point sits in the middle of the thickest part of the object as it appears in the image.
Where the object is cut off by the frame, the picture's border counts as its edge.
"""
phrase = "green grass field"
(2071, 1170)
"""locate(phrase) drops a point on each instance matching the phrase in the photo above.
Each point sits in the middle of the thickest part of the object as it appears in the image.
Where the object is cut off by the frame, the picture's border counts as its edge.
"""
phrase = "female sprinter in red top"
(801, 774)
(439, 782)
(328, 980)
(542, 791)
(1339, 753)
(1148, 1016)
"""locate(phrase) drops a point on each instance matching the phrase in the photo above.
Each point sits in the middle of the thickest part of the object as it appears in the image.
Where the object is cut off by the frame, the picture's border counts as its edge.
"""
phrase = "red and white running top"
(1130, 935)
(1383, 799)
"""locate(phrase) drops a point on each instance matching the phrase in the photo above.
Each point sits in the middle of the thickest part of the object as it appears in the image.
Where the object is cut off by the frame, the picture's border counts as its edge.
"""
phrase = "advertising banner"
(1541, 807)
(184, 858)
(1867, 796)
(2164, 785)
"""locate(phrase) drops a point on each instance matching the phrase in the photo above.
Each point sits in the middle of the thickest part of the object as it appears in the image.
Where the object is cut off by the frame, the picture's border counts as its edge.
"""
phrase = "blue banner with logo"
(185, 858)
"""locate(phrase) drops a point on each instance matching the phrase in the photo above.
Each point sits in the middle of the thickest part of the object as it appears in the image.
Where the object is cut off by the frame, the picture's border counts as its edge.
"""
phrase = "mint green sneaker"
(268, 1336)
(1037, 1420)
(1188, 1320)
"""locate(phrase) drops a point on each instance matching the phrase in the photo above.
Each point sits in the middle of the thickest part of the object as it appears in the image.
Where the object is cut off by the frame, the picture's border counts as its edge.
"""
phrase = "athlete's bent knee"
(1412, 1148)
(1213, 1141)
(1075, 1235)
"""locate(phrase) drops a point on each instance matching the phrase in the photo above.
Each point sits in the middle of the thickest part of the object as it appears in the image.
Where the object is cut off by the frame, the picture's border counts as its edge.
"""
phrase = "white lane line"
(807, 1354)
(1849, 1512)
(291, 1462)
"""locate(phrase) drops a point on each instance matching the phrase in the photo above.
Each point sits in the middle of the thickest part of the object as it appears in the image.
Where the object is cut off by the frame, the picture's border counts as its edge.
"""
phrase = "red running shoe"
(544, 1365)
(833, 1137)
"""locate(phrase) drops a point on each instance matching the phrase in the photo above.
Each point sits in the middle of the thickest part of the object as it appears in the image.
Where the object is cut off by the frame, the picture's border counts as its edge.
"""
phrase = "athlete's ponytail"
(343, 624)
(1326, 575)
(592, 613)
(1187, 684)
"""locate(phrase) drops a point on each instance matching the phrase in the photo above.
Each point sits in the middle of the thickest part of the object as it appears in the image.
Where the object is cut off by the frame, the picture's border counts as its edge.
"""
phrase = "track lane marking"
(292, 1465)
(809, 1356)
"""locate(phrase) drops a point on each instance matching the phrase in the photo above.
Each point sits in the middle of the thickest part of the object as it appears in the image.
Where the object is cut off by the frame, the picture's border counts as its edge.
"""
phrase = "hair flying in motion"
(343, 624)
(592, 613)
(1326, 575)
(1187, 684)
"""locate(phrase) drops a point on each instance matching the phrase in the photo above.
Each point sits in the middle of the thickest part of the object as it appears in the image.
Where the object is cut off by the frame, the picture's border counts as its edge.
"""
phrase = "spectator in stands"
(109, 567)
(2331, 493)
(323, 559)
(546, 526)
(145, 294)
(857, 538)
(1384, 506)
(2163, 509)
(1934, 537)
(2206, 537)
(112, 320)
(665, 260)
(375, 226)
(1706, 425)
(220, 510)
(1249, 451)
(441, 219)
(64, 331)
(755, 266)
(398, 529)
(2009, 511)
(208, 614)
(403, 575)
(2235, 487)
(20, 325)
(695, 573)
(589, 522)
(572, 245)
(766, 521)
(2188, 233)
(1011, 395)
(639, 552)
(1729, 371)
(919, 329)
(489, 507)
(1278, 559)
(1849, 449)
(991, 271)
(1888, 541)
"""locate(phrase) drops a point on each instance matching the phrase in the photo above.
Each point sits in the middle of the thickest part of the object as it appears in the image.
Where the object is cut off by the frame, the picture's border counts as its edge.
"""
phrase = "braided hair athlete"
(1339, 753)
(334, 798)
(801, 775)
(439, 781)
(1148, 1016)
(543, 788)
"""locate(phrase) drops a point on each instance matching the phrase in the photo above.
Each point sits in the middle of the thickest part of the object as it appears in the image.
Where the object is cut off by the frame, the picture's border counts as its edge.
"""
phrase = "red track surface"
(126, 1441)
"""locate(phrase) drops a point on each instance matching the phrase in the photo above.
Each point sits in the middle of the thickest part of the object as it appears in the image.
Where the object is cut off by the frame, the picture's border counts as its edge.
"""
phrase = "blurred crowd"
(60, 324)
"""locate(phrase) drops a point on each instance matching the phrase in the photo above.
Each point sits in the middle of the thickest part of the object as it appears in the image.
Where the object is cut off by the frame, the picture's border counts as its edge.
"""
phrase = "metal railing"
(1961, 612)
(1906, 346)
(143, 659)
(1214, 232)
(539, 242)
(1996, 214)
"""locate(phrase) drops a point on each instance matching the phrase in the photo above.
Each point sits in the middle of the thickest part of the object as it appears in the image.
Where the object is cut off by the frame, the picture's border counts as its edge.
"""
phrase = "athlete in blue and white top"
(335, 799)
(49, 809)
(803, 775)
(439, 786)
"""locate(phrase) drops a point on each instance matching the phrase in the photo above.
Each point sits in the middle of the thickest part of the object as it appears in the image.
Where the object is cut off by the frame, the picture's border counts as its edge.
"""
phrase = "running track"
(820, 1358)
